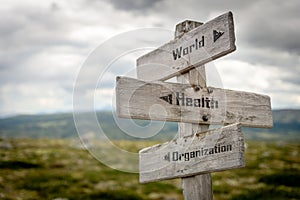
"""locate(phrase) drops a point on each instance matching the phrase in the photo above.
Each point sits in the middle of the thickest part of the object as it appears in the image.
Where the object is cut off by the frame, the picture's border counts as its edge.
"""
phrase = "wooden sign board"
(211, 151)
(196, 47)
(183, 103)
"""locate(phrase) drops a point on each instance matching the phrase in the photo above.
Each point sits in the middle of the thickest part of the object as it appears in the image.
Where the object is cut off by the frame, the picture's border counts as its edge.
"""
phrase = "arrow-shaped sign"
(182, 103)
(211, 151)
(197, 47)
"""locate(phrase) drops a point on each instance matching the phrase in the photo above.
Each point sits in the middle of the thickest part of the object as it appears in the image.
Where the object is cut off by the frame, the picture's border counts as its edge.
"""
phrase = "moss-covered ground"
(55, 169)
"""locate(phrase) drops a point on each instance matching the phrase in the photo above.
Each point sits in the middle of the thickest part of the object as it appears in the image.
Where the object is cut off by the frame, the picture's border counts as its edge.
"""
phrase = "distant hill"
(286, 127)
(63, 126)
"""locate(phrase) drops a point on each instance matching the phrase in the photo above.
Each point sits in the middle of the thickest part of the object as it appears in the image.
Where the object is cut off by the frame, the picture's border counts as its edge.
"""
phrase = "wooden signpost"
(182, 103)
(197, 151)
(194, 48)
(215, 150)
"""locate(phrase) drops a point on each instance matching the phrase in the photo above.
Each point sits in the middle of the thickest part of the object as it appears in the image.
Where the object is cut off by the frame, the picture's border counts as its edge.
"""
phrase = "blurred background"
(43, 46)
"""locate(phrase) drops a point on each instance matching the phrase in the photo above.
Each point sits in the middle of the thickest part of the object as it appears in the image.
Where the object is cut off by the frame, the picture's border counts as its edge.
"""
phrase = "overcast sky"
(44, 44)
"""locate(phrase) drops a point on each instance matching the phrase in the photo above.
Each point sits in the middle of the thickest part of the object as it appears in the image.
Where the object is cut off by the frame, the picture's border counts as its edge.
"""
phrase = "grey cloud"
(265, 56)
(172, 12)
(272, 25)
(267, 34)
(25, 32)
(293, 79)
(260, 23)
(134, 5)
(36, 28)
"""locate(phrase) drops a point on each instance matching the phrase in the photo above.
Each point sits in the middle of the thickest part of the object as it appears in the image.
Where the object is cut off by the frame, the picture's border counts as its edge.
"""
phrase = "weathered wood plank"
(211, 151)
(203, 44)
(183, 103)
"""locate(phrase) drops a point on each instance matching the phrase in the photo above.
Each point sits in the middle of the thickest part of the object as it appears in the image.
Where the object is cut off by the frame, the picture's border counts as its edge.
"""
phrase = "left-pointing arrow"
(167, 98)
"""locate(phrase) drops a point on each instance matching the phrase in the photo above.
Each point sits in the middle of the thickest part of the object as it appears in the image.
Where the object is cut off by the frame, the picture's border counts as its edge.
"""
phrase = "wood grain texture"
(164, 62)
(197, 187)
(214, 150)
(151, 100)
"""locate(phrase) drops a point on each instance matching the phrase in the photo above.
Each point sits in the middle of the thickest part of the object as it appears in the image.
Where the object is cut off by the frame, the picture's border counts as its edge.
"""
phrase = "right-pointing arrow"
(217, 35)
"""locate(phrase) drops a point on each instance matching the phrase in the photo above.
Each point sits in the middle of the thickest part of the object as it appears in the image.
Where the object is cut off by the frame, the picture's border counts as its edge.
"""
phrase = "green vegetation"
(272, 172)
(53, 169)
(56, 168)
(49, 169)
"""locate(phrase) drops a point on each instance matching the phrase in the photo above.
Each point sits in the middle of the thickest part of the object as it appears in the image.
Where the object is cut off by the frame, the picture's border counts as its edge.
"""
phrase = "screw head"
(205, 118)
(196, 88)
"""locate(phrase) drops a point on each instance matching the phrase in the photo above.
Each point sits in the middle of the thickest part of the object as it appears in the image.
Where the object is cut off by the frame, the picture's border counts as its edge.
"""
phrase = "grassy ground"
(54, 169)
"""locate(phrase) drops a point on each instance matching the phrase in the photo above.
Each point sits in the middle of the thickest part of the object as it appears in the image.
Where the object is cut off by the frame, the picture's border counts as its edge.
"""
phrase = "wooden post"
(200, 186)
